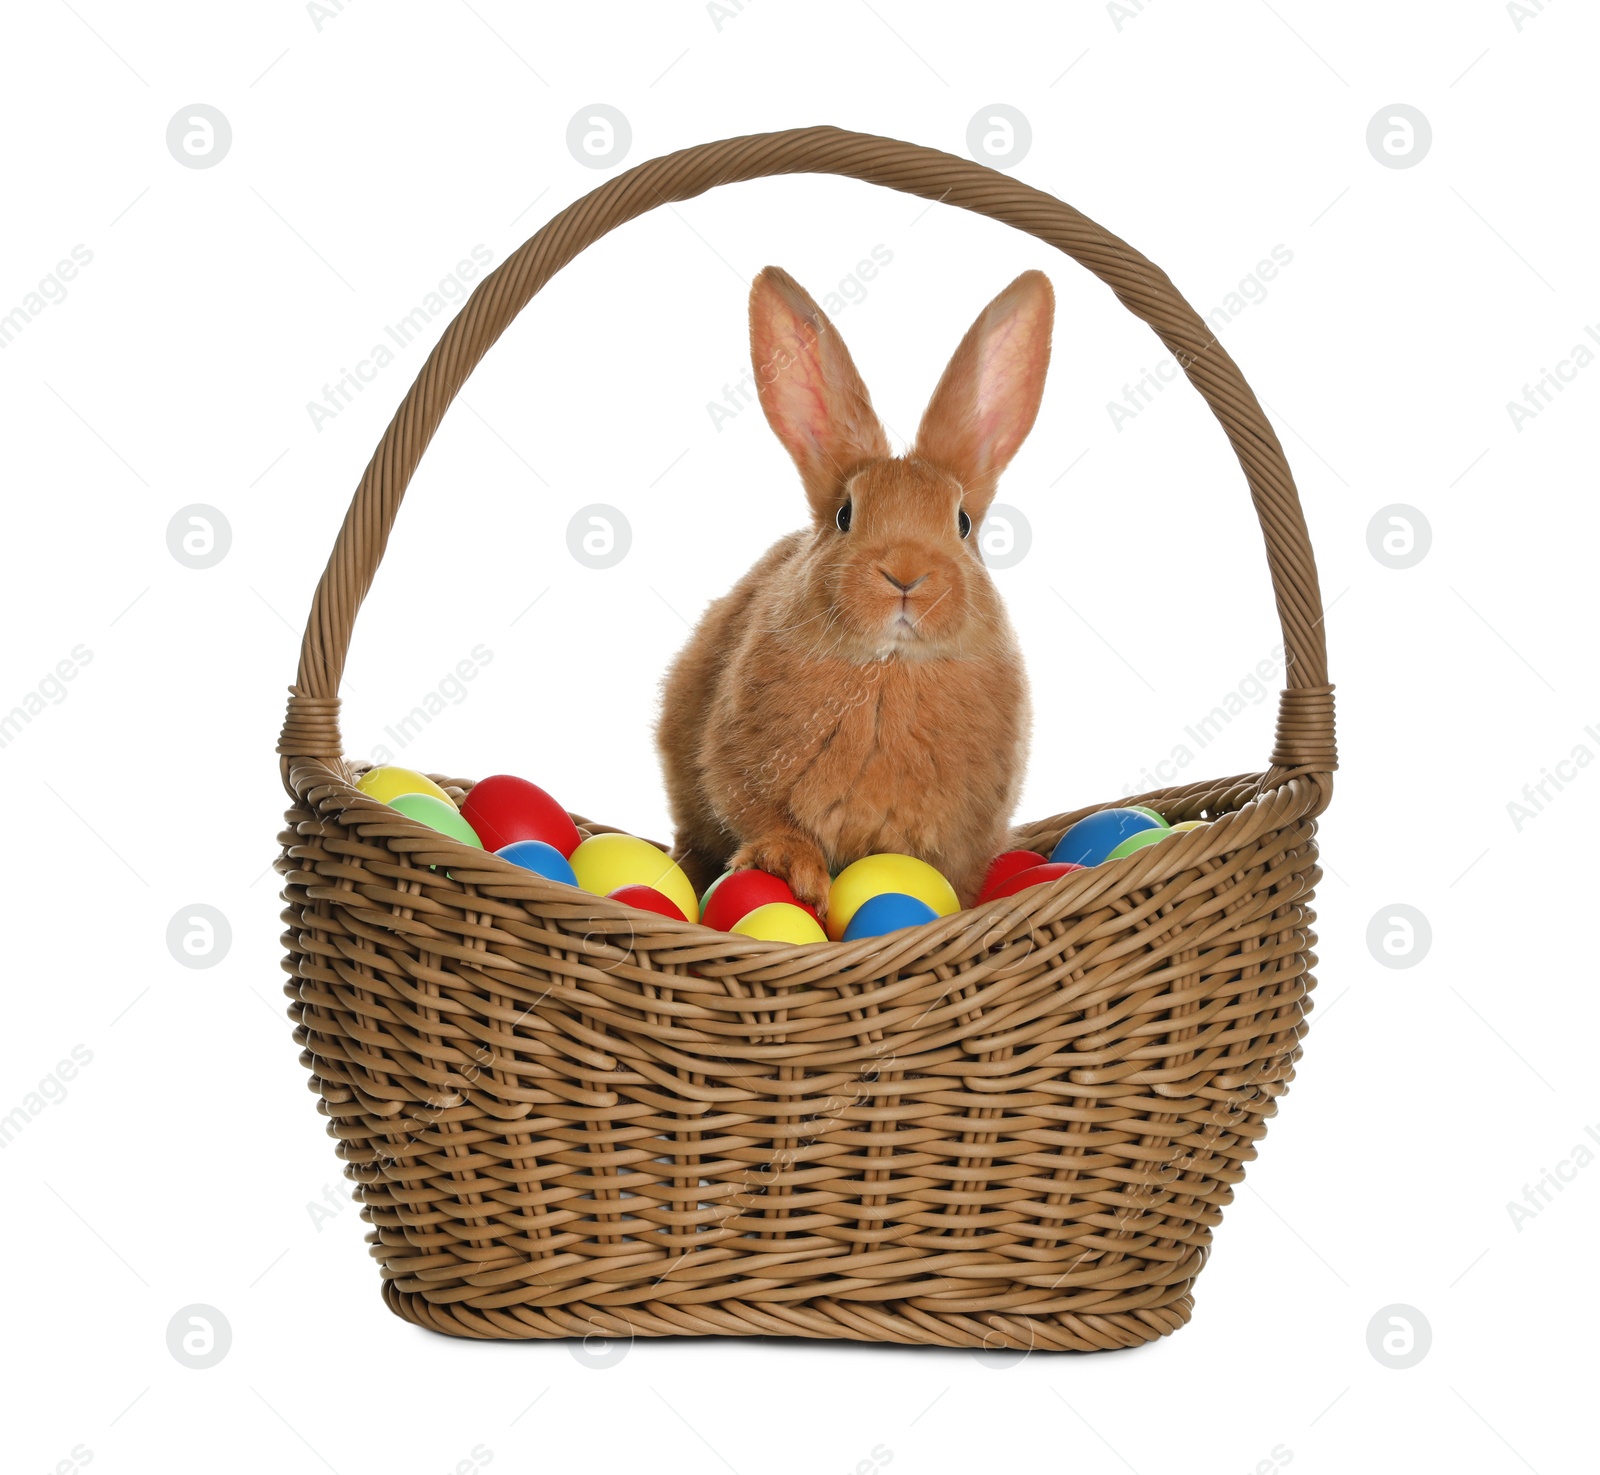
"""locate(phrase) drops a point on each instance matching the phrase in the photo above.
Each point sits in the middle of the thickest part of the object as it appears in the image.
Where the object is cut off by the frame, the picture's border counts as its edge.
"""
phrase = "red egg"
(648, 899)
(503, 810)
(741, 892)
(1004, 866)
(1050, 870)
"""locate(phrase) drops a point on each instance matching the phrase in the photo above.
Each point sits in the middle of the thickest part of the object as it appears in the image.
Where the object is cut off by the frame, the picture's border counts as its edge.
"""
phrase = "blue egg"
(1095, 836)
(888, 911)
(544, 860)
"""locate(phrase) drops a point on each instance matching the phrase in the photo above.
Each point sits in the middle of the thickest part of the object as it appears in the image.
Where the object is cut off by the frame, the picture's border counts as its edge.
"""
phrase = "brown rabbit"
(860, 690)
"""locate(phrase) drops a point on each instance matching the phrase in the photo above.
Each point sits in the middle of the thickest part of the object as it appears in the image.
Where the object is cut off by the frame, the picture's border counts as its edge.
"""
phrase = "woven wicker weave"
(1013, 1127)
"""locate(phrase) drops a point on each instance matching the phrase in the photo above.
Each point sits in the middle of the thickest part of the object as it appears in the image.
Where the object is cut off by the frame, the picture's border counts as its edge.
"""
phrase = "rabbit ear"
(814, 399)
(987, 401)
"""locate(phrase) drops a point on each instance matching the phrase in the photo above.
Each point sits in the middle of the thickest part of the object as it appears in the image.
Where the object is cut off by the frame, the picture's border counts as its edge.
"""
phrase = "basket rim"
(1271, 808)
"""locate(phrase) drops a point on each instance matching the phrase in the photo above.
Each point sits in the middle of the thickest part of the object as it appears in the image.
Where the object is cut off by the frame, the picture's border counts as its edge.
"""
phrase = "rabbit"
(861, 690)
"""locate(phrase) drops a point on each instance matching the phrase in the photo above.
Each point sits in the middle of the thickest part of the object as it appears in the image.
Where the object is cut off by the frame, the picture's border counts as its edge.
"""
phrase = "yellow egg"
(602, 863)
(872, 875)
(780, 921)
(388, 783)
(1192, 824)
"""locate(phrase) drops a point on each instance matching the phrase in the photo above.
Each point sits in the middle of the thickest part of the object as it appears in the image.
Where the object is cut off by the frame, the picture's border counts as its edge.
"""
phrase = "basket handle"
(1305, 732)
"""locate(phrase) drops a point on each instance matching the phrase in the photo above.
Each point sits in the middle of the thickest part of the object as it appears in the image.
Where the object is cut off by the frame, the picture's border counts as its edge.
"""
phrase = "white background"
(369, 155)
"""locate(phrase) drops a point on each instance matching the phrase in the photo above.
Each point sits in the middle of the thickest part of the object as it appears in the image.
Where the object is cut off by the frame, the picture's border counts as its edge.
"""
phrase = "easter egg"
(602, 863)
(1154, 814)
(780, 921)
(739, 892)
(1095, 836)
(1139, 842)
(706, 895)
(386, 782)
(437, 814)
(1039, 875)
(544, 860)
(648, 899)
(504, 809)
(888, 911)
(1190, 824)
(874, 874)
(1004, 866)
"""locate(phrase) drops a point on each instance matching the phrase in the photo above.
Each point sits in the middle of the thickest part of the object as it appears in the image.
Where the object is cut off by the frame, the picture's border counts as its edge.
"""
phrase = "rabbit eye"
(842, 518)
(963, 522)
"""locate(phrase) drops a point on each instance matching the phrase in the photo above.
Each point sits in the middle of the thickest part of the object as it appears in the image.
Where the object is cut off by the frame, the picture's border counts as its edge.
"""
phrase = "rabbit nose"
(899, 584)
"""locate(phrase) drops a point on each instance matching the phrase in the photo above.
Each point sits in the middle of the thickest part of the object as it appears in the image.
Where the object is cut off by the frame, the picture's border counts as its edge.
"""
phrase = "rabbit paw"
(793, 857)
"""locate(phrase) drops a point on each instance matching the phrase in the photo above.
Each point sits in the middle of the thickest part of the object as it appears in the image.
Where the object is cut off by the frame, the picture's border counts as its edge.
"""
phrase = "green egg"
(1160, 819)
(1138, 842)
(437, 815)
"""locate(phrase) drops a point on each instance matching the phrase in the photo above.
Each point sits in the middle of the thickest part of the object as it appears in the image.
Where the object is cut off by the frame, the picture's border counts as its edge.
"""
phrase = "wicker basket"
(1013, 1127)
